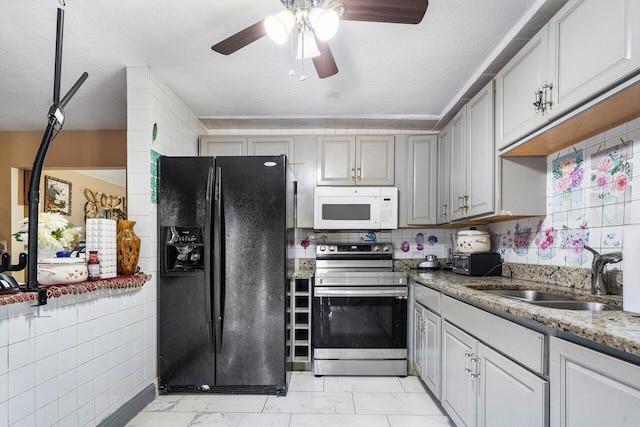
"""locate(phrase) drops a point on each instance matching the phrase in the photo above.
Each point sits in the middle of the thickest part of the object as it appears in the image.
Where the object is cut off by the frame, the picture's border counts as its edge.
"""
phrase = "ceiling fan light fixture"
(279, 26)
(307, 47)
(324, 22)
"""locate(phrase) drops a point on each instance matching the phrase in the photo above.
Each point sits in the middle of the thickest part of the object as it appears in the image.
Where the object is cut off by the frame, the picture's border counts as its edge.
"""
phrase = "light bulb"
(307, 47)
(324, 21)
(279, 26)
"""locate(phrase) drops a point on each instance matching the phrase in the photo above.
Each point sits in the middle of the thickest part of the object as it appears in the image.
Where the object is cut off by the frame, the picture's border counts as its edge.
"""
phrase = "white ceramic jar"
(473, 241)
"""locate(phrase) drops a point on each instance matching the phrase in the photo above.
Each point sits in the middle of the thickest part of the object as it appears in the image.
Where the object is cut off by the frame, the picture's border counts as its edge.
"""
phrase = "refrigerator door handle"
(207, 258)
(218, 294)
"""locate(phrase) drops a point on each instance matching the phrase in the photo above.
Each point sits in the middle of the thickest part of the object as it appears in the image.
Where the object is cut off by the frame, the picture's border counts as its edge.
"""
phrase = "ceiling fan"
(317, 20)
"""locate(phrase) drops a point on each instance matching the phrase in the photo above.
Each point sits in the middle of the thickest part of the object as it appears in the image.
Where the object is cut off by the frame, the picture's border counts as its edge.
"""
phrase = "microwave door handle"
(218, 293)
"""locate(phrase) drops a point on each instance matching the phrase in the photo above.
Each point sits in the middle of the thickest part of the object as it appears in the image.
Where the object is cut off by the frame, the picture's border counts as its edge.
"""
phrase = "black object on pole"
(55, 120)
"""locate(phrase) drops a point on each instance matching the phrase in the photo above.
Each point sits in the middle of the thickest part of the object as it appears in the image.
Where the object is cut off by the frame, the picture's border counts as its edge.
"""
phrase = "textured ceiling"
(389, 73)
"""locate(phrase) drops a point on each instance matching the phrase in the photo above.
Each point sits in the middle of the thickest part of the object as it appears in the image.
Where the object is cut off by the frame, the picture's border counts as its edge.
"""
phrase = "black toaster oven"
(482, 264)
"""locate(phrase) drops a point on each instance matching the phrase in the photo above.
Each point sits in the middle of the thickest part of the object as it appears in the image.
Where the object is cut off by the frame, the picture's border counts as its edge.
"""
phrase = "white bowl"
(61, 271)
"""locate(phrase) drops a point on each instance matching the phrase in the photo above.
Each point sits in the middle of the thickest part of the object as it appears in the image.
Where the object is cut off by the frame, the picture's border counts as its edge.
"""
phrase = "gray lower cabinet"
(481, 387)
(427, 348)
(591, 389)
(459, 388)
(427, 336)
(433, 351)
(509, 394)
(418, 339)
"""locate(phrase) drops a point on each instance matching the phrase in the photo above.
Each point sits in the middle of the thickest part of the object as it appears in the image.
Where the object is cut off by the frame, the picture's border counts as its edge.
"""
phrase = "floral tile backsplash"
(407, 243)
(590, 197)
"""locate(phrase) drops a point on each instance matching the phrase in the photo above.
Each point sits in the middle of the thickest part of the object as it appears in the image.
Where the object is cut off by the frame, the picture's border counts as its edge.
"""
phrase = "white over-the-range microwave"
(355, 208)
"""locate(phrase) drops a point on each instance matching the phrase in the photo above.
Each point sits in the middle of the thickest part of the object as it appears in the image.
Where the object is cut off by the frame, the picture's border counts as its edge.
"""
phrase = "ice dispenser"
(183, 249)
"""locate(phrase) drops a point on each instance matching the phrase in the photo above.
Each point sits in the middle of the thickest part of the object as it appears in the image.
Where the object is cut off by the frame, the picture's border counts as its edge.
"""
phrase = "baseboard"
(131, 408)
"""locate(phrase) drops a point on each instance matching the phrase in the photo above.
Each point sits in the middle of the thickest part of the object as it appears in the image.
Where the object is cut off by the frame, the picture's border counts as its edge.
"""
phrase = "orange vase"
(128, 244)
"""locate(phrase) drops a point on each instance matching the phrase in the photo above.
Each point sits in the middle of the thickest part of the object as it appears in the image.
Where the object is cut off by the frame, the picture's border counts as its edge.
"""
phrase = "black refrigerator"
(224, 225)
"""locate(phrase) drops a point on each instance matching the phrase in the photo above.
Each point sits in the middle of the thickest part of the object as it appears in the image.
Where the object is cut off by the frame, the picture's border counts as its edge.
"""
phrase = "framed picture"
(57, 196)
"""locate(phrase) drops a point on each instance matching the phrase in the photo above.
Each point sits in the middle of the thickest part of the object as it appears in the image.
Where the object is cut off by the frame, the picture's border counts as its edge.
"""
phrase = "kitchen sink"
(528, 295)
(545, 299)
(576, 305)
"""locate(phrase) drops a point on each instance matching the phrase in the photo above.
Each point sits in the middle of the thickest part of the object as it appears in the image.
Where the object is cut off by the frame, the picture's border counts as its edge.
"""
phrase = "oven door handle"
(360, 292)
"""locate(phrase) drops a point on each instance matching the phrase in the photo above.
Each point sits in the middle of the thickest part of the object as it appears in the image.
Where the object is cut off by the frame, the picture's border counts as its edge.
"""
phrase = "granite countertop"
(616, 329)
(302, 273)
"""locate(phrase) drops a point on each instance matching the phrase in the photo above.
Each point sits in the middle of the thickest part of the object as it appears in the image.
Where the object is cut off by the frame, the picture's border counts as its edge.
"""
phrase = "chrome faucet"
(598, 284)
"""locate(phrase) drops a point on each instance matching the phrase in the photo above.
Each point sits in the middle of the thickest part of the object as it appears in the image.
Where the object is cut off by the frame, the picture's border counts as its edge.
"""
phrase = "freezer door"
(186, 353)
(252, 344)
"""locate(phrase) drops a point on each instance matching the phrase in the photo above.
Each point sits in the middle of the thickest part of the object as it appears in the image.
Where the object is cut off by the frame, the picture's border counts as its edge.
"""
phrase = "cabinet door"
(422, 160)
(595, 43)
(442, 193)
(271, 146)
(458, 169)
(590, 389)
(336, 160)
(305, 175)
(480, 153)
(418, 339)
(459, 389)
(509, 394)
(375, 160)
(516, 84)
(223, 146)
(432, 351)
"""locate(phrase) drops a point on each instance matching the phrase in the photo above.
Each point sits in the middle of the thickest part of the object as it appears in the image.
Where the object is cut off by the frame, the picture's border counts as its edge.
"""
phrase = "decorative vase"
(128, 246)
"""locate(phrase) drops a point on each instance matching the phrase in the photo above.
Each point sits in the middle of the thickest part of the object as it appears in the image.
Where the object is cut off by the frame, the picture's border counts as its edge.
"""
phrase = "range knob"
(332, 248)
(323, 248)
(376, 248)
(385, 248)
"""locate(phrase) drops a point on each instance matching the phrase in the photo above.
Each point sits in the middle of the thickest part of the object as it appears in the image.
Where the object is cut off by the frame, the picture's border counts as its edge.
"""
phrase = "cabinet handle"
(548, 102)
(359, 174)
(466, 203)
(537, 103)
(353, 174)
(444, 210)
(467, 356)
(476, 362)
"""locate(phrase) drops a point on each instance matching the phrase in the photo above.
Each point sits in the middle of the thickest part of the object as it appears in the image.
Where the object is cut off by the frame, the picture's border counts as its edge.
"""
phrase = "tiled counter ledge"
(56, 291)
(618, 330)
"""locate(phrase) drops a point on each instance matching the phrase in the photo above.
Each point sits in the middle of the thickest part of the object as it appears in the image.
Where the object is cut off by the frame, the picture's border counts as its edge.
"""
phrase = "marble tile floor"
(310, 402)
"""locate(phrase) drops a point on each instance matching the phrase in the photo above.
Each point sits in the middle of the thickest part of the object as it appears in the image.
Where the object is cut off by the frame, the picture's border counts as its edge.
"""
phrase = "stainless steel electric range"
(359, 311)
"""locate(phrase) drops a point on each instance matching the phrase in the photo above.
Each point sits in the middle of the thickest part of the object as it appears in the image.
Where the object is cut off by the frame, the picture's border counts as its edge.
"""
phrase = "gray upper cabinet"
(458, 165)
(355, 160)
(222, 146)
(595, 43)
(516, 86)
(422, 158)
(588, 47)
(442, 193)
(472, 157)
(247, 146)
(271, 146)
(481, 153)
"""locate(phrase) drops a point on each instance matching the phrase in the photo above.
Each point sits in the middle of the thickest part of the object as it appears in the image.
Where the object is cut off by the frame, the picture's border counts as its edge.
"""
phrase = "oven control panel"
(358, 248)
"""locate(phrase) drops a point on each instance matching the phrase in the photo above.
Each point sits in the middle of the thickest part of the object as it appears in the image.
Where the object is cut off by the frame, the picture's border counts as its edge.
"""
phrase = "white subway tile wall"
(87, 355)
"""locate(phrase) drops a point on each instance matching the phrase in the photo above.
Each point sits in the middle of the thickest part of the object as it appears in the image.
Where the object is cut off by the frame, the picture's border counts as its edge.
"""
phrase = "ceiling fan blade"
(396, 12)
(241, 39)
(325, 63)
